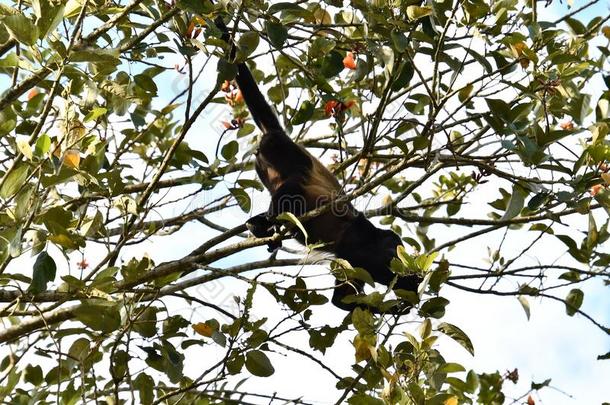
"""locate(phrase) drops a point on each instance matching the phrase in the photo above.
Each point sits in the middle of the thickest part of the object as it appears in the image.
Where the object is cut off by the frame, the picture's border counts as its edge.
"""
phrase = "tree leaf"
(277, 33)
(525, 304)
(14, 181)
(332, 64)
(399, 40)
(465, 92)
(146, 82)
(248, 43)
(145, 385)
(290, 217)
(33, 374)
(434, 307)
(42, 146)
(43, 272)
(226, 70)
(229, 150)
(458, 335)
(258, 364)
(515, 204)
(364, 399)
(574, 301)
(21, 28)
(103, 316)
(417, 12)
(304, 113)
(242, 198)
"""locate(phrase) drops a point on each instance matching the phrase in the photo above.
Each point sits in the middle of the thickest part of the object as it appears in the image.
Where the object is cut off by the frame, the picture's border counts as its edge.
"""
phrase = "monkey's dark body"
(298, 182)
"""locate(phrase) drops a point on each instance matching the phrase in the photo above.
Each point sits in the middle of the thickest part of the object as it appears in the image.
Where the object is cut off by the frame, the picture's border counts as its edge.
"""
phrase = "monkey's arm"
(261, 111)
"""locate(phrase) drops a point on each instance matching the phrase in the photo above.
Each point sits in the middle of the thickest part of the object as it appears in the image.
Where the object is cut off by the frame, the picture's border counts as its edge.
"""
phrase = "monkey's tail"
(261, 111)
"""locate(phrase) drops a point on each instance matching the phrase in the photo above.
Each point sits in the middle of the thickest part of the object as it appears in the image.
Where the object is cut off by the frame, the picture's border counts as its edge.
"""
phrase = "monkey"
(298, 183)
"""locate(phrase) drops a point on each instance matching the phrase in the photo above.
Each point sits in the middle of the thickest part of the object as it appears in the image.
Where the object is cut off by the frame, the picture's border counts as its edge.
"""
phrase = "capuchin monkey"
(298, 183)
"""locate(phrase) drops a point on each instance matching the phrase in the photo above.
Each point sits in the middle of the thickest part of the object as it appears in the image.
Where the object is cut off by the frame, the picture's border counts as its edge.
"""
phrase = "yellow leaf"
(72, 158)
(417, 12)
(606, 177)
(365, 348)
(63, 240)
(465, 92)
(517, 49)
(451, 401)
(76, 132)
(606, 31)
(203, 329)
(25, 148)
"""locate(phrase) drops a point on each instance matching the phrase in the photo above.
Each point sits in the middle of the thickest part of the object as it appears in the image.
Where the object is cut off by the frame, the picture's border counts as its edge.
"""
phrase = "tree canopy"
(474, 129)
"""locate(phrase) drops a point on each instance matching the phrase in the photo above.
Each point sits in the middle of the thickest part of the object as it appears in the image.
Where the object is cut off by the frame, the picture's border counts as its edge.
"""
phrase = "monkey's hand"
(261, 227)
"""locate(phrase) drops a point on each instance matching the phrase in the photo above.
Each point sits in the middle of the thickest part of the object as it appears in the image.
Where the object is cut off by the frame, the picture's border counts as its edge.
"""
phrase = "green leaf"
(434, 307)
(226, 70)
(573, 249)
(146, 82)
(399, 40)
(196, 6)
(538, 386)
(242, 198)
(290, 217)
(451, 368)
(258, 364)
(458, 335)
(498, 108)
(229, 150)
(592, 234)
(405, 76)
(321, 46)
(33, 374)
(103, 316)
(304, 113)
(145, 385)
(515, 204)
(364, 399)
(43, 144)
(96, 113)
(10, 61)
(21, 28)
(79, 350)
(248, 43)
(277, 33)
(14, 181)
(574, 301)
(49, 16)
(43, 272)
(146, 322)
(332, 64)
(235, 364)
(249, 183)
